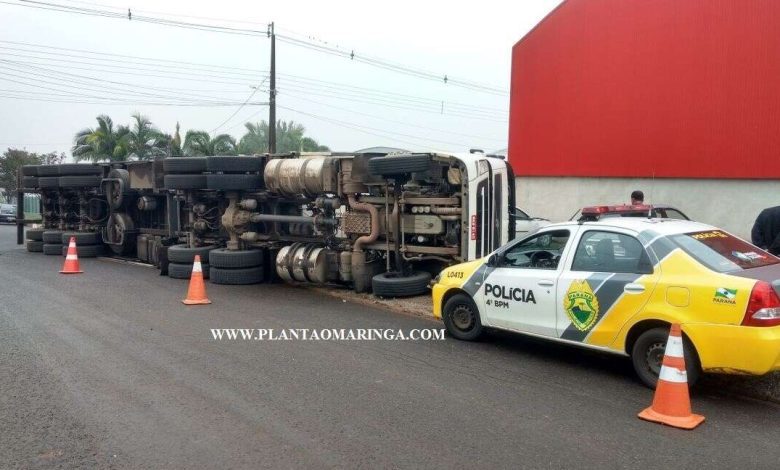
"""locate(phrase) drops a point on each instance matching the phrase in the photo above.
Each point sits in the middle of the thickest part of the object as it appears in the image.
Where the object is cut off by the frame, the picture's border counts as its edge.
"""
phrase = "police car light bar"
(597, 210)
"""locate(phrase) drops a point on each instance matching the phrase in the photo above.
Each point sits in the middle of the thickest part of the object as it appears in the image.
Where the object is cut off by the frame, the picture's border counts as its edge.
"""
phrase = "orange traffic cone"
(196, 294)
(71, 265)
(671, 403)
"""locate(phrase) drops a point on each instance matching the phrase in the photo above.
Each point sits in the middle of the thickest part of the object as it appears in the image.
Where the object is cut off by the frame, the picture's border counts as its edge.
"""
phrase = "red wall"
(636, 88)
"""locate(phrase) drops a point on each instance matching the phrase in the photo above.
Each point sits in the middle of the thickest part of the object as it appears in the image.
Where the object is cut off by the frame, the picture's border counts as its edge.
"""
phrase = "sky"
(60, 69)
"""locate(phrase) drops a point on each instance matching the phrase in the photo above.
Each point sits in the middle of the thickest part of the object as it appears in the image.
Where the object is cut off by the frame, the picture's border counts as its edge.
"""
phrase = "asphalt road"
(108, 369)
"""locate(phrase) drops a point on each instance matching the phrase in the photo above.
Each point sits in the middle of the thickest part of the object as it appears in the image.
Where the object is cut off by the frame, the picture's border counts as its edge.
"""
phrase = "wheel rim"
(463, 318)
(655, 357)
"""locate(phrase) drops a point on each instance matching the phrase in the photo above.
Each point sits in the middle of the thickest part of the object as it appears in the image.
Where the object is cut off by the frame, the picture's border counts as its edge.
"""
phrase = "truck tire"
(224, 258)
(239, 276)
(35, 246)
(30, 170)
(233, 164)
(86, 251)
(82, 238)
(390, 284)
(52, 237)
(184, 271)
(398, 164)
(183, 254)
(184, 165)
(35, 234)
(30, 182)
(82, 181)
(116, 193)
(48, 182)
(79, 169)
(185, 181)
(48, 170)
(52, 249)
(227, 182)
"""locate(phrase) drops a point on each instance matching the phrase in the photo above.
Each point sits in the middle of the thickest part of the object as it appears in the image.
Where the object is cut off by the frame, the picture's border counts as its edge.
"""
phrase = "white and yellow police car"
(617, 284)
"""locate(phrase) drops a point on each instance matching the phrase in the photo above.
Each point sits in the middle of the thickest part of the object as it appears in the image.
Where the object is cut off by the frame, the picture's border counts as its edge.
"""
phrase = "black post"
(272, 92)
(19, 209)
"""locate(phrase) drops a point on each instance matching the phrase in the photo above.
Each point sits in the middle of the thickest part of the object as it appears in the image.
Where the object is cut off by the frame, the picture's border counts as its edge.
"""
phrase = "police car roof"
(640, 224)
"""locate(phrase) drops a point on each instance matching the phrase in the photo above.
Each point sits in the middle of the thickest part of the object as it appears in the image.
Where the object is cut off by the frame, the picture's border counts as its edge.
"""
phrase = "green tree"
(12, 160)
(174, 149)
(103, 142)
(200, 143)
(289, 138)
(144, 141)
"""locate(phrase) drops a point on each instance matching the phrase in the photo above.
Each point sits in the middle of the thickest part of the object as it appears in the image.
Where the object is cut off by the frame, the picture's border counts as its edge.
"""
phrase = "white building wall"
(729, 204)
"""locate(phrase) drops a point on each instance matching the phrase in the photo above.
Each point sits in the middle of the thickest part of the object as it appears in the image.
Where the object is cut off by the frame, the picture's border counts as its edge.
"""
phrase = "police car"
(617, 284)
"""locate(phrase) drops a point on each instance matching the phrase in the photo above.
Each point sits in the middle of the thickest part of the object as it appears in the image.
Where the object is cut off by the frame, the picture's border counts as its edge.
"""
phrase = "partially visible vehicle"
(525, 224)
(616, 285)
(592, 213)
(7, 213)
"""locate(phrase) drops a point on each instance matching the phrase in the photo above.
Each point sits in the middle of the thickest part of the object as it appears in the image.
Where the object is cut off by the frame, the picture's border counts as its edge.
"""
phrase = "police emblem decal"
(581, 305)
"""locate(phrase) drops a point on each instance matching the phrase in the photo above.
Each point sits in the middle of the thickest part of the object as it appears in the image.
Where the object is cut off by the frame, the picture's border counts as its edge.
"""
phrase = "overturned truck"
(372, 221)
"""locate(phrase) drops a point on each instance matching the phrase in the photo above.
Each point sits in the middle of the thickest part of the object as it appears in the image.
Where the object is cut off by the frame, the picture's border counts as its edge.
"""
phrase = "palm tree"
(144, 141)
(101, 143)
(199, 143)
(256, 138)
(289, 138)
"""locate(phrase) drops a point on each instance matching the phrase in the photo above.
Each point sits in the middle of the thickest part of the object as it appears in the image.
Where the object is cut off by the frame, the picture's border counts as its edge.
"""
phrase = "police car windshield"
(722, 252)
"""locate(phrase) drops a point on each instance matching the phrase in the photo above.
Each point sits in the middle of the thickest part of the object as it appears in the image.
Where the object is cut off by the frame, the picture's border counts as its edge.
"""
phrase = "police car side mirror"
(493, 260)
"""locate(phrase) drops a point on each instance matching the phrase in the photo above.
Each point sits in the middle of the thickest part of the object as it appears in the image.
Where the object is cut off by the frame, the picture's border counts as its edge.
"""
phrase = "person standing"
(766, 230)
(637, 198)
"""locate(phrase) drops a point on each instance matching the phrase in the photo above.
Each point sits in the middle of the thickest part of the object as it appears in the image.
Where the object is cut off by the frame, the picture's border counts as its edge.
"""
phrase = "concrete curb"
(763, 388)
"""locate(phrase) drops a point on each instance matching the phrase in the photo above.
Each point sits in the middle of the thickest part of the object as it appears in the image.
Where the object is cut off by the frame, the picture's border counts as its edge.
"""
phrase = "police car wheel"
(461, 318)
(647, 355)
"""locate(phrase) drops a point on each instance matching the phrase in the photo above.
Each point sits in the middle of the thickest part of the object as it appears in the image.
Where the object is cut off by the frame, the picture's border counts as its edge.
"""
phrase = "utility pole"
(272, 92)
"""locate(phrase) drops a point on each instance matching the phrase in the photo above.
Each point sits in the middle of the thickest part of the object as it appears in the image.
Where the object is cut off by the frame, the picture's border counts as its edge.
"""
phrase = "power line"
(228, 72)
(369, 60)
(372, 130)
(374, 116)
(239, 108)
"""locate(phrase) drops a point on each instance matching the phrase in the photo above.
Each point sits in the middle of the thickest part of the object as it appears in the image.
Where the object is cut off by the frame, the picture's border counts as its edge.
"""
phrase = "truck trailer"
(381, 222)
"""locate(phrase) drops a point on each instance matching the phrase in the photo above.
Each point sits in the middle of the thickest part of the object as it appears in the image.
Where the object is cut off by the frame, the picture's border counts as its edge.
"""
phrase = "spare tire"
(48, 182)
(88, 181)
(48, 170)
(233, 164)
(82, 238)
(78, 169)
(30, 182)
(52, 237)
(34, 246)
(184, 165)
(224, 258)
(184, 271)
(52, 249)
(399, 164)
(30, 170)
(185, 181)
(236, 276)
(227, 182)
(34, 234)
(392, 284)
(185, 255)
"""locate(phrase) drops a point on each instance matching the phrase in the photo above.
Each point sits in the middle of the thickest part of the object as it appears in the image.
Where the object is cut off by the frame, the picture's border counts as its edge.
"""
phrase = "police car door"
(519, 292)
(609, 278)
